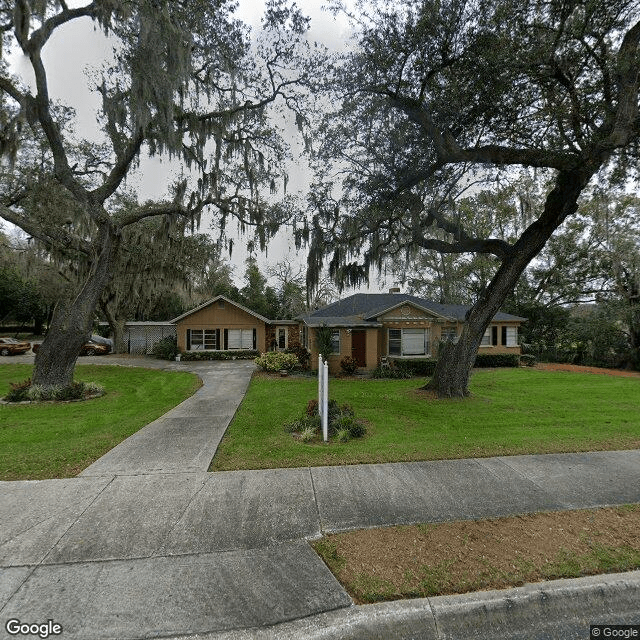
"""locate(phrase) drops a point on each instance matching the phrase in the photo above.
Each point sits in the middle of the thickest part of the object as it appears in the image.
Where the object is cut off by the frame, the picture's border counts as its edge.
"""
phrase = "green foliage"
(397, 372)
(277, 361)
(166, 349)
(25, 391)
(300, 352)
(195, 356)
(349, 365)
(324, 341)
(417, 366)
(18, 391)
(527, 360)
(497, 360)
(340, 419)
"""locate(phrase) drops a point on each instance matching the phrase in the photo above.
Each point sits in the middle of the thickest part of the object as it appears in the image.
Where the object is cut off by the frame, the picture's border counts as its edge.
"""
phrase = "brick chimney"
(394, 290)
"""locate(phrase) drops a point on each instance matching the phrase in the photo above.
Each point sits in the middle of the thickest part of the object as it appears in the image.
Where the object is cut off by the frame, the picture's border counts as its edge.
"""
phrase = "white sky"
(77, 48)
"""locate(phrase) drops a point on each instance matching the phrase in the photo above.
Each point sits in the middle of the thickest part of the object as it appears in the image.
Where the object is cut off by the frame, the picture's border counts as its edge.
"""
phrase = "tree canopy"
(438, 94)
(185, 83)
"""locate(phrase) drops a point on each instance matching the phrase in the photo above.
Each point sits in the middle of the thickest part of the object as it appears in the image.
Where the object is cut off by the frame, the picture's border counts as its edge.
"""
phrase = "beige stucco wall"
(213, 317)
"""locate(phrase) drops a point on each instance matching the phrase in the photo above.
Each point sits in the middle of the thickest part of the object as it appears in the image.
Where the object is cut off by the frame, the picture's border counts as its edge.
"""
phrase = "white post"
(320, 385)
(323, 396)
(325, 403)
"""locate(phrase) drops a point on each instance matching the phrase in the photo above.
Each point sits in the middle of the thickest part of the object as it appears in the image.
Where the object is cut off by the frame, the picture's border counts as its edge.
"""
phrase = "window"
(449, 334)
(408, 342)
(511, 337)
(490, 337)
(282, 338)
(240, 339)
(335, 341)
(203, 339)
(395, 342)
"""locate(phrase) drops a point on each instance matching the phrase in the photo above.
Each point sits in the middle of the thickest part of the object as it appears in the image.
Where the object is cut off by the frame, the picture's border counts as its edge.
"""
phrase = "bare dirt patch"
(556, 366)
(457, 557)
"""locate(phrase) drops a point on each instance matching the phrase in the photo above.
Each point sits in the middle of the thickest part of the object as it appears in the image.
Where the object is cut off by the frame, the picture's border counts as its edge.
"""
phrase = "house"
(220, 324)
(368, 326)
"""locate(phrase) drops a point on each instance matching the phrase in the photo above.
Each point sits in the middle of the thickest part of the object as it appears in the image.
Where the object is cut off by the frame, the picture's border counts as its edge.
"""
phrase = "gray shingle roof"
(367, 307)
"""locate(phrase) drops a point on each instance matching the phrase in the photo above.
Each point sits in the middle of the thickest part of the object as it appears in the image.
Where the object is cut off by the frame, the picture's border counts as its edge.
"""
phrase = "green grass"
(60, 440)
(512, 411)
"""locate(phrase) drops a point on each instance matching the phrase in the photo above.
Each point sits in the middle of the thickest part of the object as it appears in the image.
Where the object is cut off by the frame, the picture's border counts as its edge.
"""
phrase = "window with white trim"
(512, 337)
(203, 339)
(408, 342)
(240, 339)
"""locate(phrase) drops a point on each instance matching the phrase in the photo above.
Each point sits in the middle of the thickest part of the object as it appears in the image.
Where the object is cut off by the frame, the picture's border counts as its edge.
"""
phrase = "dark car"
(90, 348)
(11, 346)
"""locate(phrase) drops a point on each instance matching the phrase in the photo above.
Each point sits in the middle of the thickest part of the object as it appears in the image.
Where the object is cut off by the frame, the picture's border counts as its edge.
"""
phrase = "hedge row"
(426, 367)
(248, 354)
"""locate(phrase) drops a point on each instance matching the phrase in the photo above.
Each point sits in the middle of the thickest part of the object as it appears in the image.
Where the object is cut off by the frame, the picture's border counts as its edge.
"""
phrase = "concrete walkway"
(139, 546)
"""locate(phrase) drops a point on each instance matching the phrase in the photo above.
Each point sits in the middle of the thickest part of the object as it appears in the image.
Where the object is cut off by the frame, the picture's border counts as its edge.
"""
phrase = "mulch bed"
(555, 366)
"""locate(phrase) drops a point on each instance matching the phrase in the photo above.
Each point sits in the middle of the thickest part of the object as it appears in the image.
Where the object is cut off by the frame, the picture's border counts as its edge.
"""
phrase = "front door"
(359, 347)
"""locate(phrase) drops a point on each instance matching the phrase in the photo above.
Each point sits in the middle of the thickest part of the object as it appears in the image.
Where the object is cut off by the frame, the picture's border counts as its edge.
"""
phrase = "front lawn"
(512, 411)
(60, 440)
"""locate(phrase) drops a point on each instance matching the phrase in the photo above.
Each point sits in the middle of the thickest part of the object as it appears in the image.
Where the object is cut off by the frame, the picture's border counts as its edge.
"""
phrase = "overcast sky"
(77, 48)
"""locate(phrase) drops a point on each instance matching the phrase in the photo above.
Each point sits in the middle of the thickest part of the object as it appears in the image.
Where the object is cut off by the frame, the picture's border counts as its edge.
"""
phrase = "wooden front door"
(359, 347)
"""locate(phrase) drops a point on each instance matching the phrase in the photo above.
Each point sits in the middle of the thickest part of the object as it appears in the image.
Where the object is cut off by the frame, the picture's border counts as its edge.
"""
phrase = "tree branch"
(55, 236)
(448, 151)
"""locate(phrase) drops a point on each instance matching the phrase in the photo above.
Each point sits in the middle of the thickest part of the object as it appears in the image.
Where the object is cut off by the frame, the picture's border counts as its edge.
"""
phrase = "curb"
(559, 609)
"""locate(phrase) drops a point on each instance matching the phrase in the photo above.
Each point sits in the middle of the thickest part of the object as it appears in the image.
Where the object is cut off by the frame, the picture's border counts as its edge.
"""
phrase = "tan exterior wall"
(377, 341)
(214, 317)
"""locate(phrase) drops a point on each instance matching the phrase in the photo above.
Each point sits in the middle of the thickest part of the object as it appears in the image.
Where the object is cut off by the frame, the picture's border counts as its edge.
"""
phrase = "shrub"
(324, 341)
(349, 365)
(527, 360)
(276, 361)
(22, 391)
(166, 349)
(340, 418)
(343, 435)
(417, 367)
(18, 391)
(246, 354)
(497, 360)
(396, 372)
(300, 352)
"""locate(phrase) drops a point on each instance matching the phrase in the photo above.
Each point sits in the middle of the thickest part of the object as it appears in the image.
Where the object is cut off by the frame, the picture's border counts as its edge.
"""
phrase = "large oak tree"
(186, 83)
(435, 94)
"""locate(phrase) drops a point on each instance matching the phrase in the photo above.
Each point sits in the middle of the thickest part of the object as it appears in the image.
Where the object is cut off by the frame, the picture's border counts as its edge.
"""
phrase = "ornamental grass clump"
(26, 392)
(277, 361)
(342, 424)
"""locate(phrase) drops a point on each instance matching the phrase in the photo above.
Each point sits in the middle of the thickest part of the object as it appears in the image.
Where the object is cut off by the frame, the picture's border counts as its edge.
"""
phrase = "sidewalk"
(128, 551)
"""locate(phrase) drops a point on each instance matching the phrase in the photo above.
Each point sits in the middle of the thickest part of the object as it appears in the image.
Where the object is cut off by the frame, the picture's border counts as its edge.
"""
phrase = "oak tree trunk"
(453, 369)
(73, 319)
(117, 329)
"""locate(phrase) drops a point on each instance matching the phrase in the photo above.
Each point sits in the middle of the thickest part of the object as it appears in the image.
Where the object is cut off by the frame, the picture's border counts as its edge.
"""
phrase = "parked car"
(90, 348)
(11, 346)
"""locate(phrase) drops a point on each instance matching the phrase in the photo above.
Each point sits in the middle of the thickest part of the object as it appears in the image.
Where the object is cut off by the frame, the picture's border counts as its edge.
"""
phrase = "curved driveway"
(146, 543)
